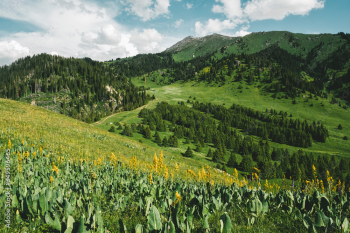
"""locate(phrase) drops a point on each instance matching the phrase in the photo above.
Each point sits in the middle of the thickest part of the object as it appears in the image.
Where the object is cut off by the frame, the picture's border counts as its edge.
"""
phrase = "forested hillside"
(81, 88)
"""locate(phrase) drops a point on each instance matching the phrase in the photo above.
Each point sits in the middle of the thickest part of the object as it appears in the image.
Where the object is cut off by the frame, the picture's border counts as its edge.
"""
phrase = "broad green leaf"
(154, 221)
(225, 223)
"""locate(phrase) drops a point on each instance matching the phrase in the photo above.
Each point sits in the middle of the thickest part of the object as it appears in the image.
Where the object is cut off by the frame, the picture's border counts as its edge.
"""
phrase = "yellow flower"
(41, 151)
(150, 179)
(51, 179)
(9, 144)
(177, 167)
(178, 196)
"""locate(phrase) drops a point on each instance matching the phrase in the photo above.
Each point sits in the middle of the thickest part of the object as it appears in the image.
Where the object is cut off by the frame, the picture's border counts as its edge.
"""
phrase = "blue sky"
(104, 29)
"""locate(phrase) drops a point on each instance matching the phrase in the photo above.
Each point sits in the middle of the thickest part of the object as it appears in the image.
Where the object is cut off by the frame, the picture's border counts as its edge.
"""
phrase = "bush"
(218, 166)
(340, 127)
(140, 141)
(112, 129)
(345, 138)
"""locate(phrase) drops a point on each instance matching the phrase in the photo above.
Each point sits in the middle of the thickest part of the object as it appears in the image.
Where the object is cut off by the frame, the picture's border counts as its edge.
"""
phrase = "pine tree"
(218, 156)
(157, 138)
(340, 127)
(199, 147)
(210, 153)
(112, 129)
(175, 142)
(148, 133)
(246, 164)
(189, 152)
(232, 162)
(165, 141)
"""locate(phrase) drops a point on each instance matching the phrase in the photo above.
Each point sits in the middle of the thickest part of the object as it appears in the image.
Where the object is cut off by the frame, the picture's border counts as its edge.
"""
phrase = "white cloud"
(252, 10)
(240, 33)
(148, 9)
(213, 26)
(147, 41)
(279, 9)
(71, 28)
(231, 8)
(178, 23)
(265, 9)
(189, 5)
(9, 51)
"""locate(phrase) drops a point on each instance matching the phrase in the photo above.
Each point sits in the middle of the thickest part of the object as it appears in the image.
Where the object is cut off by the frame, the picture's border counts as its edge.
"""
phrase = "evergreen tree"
(165, 142)
(112, 129)
(210, 153)
(119, 126)
(148, 133)
(246, 164)
(340, 127)
(218, 156)
(224, 168)
(199, 147)
(175, 142)
(189, 152)
(157, 138)
(232, 162)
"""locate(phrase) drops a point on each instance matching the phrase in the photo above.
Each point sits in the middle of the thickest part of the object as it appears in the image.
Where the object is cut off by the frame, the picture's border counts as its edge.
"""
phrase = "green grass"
(330, 115)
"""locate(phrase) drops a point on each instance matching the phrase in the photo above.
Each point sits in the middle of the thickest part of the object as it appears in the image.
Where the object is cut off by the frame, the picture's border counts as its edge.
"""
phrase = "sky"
(106, 29)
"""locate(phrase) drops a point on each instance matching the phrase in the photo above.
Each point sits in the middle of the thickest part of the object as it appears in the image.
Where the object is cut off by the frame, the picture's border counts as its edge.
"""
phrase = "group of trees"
(84, 80)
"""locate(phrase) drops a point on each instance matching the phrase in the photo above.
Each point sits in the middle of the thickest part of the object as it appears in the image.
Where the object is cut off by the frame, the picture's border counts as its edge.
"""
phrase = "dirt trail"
(144, 106)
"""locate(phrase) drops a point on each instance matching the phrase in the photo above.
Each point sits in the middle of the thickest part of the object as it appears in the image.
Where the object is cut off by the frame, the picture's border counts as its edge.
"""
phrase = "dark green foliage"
(157, 138)
(345, 138)
(165, 142)
(112, 129)
(232, 162)
(148, 133)
(340, 127)
(127, 131)
(189, 152)
(210, 153)
(199, 147)
(218, 156)
(246, 164)
(84, 82)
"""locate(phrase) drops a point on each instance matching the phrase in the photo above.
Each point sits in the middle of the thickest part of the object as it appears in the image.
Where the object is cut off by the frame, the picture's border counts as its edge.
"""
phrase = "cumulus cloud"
(213, 26)
(178, 23)
(189, 5)
(253, 10)
(9, 51)
(147, 41)
(148, 9)
(279, 9)
(265, 9)
(76, 28)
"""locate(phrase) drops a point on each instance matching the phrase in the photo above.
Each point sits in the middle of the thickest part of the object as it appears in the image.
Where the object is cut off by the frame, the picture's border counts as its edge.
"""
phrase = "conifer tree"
(165, 141)
(148, 133)
(112, 129)
(157, 138)
(246, 164)
(232, 162)
(210, 153)
(199, 147)
(189, 152)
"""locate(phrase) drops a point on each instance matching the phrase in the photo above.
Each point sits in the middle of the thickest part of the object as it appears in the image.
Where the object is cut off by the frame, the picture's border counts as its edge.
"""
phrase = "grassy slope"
(330, 115)
(72, 138)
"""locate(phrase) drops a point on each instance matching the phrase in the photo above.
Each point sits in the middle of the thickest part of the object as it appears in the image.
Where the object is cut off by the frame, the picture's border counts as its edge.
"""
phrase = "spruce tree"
(199, 147)
(246, 164)
(232, 162)
(165, 141)
(157, 138)
(148, 133)
(340, 127)
(210, 153)
(189, 152)
(218, 157)
(175, 142)
(112, 129)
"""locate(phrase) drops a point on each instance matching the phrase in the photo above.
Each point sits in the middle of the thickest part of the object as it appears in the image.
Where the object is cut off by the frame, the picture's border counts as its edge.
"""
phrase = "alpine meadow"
(216, 133)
